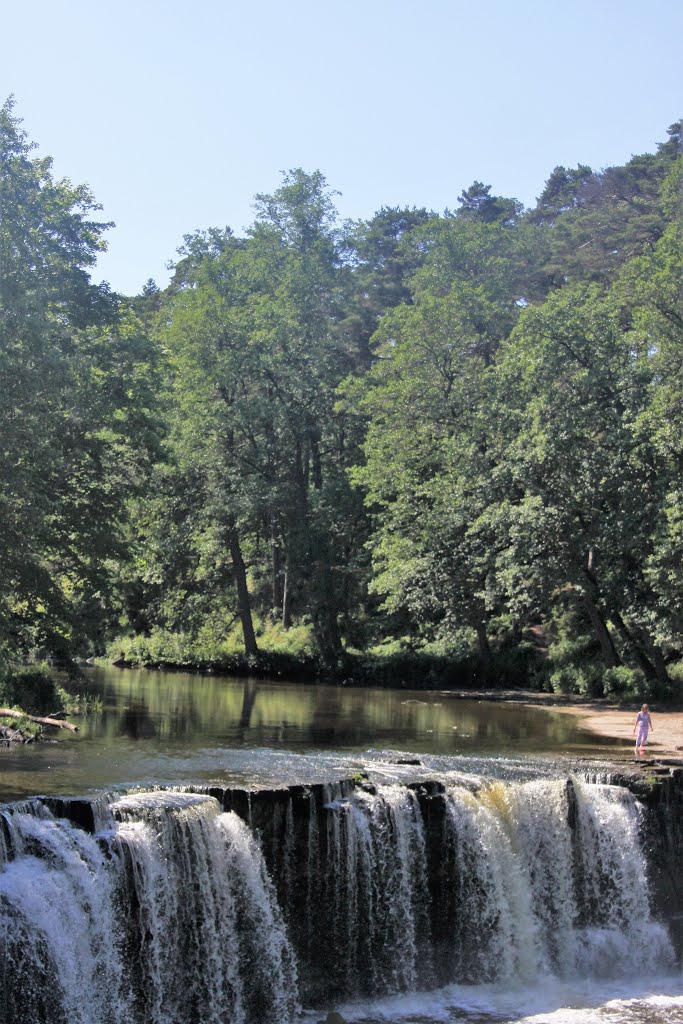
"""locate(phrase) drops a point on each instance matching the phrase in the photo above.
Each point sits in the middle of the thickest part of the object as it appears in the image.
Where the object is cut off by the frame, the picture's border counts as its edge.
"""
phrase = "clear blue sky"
(175, 114)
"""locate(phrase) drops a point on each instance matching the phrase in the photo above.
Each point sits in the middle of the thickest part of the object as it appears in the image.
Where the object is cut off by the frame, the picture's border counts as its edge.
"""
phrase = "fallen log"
(10, 713)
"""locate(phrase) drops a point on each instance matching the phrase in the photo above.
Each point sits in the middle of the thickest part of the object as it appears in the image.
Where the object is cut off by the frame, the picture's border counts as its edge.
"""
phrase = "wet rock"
(79, 812)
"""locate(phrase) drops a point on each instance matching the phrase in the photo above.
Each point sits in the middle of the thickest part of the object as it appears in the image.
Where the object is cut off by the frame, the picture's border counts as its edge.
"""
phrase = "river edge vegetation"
(426, 449)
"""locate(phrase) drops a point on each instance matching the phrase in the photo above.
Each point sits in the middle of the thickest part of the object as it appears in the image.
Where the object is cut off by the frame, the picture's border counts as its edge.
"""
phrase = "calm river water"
(172, 728)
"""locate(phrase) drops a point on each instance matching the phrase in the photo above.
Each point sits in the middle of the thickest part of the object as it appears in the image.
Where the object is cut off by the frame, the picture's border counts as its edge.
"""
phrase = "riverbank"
(420, 672)
(666, 737)
(602, 718)
(292, 655)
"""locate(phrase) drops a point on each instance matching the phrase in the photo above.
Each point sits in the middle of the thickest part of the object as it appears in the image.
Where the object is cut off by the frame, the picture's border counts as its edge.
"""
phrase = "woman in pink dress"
(642, 725)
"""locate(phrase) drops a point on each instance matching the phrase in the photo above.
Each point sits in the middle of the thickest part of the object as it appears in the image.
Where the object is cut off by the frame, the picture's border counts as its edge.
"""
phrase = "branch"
(9, 713)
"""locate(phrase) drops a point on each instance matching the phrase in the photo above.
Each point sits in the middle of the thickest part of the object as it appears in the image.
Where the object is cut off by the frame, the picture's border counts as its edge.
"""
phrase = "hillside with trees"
(423, 448)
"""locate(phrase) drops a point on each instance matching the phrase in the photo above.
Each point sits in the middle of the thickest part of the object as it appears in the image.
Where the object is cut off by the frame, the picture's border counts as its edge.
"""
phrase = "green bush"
(675, 670)
(281, 652)
(623, 683)
(563, 680)
(585, 679)
(292, 653)
(419, 669)
(32, 689)
(569, 652)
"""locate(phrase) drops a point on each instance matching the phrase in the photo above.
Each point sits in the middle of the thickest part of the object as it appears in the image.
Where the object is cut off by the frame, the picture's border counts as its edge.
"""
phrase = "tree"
(431, 452)
(649, 293)
(382, 264)
(582, 461)
(477, 203)
(597, 221)
(76, 391)
(257, 352)
(564, 190)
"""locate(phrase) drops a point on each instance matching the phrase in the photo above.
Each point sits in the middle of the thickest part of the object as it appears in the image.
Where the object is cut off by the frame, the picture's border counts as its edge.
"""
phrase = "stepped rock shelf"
(238, 905)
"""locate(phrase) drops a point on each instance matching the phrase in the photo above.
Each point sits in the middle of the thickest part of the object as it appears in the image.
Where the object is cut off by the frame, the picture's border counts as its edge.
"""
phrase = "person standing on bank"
(641, 727)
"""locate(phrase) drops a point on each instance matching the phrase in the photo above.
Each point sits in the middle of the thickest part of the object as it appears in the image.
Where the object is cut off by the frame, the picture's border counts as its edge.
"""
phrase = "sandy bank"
(666, 737)
(602, 718)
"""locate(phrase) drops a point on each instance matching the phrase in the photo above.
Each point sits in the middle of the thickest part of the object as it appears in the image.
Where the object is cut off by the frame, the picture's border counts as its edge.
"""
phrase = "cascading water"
(59, 931)
(167, 918)
(176, 911)
(373, 885)
(533, 896)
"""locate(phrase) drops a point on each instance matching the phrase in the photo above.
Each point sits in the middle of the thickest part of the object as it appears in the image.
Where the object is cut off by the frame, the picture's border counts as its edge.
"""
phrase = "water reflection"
(174, 706)
(176, 727)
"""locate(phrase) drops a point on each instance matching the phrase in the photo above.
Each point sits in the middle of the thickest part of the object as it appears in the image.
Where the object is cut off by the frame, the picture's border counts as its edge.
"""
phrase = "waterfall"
(533, 896)
(166, 918)
(169, 907)
(59, 934)
(372, 886)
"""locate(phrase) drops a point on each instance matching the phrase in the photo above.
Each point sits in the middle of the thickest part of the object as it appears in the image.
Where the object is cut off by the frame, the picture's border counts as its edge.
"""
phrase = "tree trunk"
(659, 664)
(639, 654)
(316, 464)
(243, 602)
(595, 614)
(609, 654)
(286, 601)
(276, 573)
(484, 648)
(327, 637)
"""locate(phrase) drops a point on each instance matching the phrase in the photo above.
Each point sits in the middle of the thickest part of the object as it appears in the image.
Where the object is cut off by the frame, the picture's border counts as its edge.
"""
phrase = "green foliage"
(573, 666)
(423, 669)
(82, 703)
(596, 222)
(261, 454)
(477, 203)
(676, 675)
(77, 390)
(624, 683)
(280, 651)
(32, 689)
(577, 679)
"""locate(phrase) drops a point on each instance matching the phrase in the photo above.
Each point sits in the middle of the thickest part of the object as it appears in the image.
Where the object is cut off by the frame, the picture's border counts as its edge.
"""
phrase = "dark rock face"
(79, 812)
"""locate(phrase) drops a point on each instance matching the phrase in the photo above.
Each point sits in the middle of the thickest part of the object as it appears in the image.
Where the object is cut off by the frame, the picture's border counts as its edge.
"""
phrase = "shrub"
(563, 680)
(675, 670)
(281, 652)
(624, 683)
(32, 689)
(567, 652)
(585, 679)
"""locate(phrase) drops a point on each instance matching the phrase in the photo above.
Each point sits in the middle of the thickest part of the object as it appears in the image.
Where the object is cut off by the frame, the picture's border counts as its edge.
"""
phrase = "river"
(170, 728)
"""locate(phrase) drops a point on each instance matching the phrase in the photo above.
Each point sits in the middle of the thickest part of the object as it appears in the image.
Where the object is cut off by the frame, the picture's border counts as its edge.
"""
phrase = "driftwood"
(10, 713)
